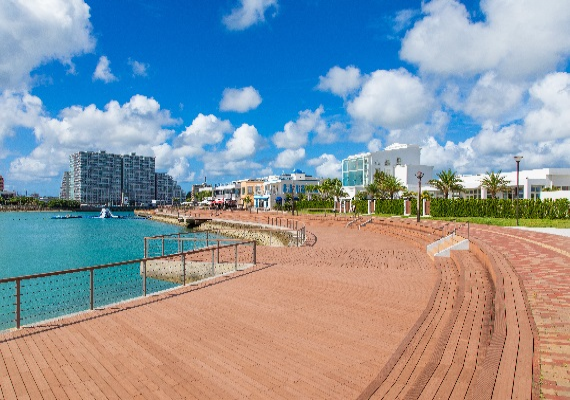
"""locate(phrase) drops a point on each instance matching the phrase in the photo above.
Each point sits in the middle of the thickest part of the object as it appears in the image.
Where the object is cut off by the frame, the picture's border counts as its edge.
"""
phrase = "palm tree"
(247, 201)
(310, 190)
(495, 183)
(392, 185)
(373, 190)
(448, 182)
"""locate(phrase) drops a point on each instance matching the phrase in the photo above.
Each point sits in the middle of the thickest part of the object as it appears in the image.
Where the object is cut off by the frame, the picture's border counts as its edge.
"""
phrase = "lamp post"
(419, 175)
(518, 161)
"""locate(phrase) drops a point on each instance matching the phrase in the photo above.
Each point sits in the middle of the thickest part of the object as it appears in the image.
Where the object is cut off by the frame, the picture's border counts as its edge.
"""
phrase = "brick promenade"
(359, 312)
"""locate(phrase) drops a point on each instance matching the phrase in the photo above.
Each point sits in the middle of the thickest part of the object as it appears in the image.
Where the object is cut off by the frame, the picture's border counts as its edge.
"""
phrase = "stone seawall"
(262, 235)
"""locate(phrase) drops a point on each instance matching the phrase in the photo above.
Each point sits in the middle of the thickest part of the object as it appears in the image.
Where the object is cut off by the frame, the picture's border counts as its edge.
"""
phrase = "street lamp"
(419, 175)
(518, 161)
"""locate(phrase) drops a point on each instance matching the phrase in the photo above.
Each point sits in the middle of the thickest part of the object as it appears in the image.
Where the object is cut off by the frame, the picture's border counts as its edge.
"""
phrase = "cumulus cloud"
(18, 109)
(552, 120)
(103, 71)
(248, 13)
(35, 32)
(374, 145)
(518, 39)
(243, 143)
(341, 81)
(204, 130)
(240, 100)
(435, 126)
(327, 166)
(138, 125)
(296, 134)
(139, 68)
(492, 99)
(180, 171)
(392, 99)
(289, 158)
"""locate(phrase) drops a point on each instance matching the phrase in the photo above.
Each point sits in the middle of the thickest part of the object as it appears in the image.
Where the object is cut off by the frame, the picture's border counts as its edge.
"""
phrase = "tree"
(332, 188)
(311, 190)
(495, 183)
(392, 185)
(203, 194)
(247, 201)
(373, 190)
(448, 182)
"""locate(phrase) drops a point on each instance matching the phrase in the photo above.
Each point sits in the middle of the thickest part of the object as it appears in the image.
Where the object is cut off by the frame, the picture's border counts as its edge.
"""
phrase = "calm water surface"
(33, 242)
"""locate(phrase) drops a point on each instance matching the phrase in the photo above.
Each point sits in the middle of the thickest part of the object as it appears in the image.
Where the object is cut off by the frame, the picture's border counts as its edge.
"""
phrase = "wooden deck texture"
(360, 311)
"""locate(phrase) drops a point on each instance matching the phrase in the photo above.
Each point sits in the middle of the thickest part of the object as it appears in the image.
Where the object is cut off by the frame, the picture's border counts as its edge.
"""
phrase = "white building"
(531, 184)
(277, 187)
(399, 160)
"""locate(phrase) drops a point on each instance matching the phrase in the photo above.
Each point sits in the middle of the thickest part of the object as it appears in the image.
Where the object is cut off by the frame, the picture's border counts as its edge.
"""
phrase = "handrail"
(142, 262)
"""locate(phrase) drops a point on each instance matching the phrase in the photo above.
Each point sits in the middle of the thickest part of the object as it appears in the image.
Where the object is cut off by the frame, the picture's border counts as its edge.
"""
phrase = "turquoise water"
(32, 243)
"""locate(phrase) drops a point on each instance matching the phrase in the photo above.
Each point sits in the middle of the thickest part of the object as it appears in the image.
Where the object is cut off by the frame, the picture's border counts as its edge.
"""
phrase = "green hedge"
(500, 208)
(391, 207)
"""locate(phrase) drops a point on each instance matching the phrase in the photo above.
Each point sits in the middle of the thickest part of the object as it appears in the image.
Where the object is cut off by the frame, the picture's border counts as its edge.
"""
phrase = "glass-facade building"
(355, 171)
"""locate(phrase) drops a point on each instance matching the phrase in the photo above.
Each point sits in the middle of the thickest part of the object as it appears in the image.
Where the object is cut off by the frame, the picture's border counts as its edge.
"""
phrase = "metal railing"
(45, 296)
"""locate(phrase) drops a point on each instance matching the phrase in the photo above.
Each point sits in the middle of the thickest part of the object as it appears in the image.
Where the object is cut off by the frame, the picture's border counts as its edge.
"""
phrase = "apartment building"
(98, 178)
(1, 183)
(166, 189)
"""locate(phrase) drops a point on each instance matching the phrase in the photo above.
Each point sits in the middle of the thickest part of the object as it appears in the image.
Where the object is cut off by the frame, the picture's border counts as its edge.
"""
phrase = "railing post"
(145, 248)
(144, 278)
(270, 237)
(207, 238)
(183, 269)
(163, 245)
(254, 253)
(218, 252)
(91, 287)
(236, 263)
(213, 268)
(18, 304)
(179, 242)
(297, 238)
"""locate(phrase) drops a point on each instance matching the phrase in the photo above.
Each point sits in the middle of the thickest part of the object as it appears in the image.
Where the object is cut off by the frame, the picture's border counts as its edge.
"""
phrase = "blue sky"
(238, 89)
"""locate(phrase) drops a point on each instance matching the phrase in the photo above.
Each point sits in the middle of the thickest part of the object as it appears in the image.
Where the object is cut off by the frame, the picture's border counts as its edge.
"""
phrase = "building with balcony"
(166, 189)
(98, 178)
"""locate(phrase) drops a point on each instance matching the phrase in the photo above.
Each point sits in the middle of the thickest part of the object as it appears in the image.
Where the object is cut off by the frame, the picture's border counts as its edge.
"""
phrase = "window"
(387, 162)
(398, 161)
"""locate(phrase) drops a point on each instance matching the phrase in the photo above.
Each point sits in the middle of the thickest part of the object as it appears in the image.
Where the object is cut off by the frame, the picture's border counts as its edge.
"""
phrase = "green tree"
(203, 194)
(447, 182)
(311, 190)
(247, 201)
(495, 183)
(373, 190)
(332, 188)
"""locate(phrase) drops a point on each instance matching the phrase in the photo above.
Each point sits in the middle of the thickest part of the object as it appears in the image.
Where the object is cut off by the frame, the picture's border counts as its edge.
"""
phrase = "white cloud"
(436, 126)
(518, 39)
(552, 120)
(180, 171)
(18, 109)
(289, 158)
(341, 81)
(392, 99)
(296, 134)
(103, 71)
(374, 145)
(136, 126)
(204, 130)
(243, 143)
(240, 100)
(248, 13)
(217, 166)
(139, 68)
(327, 166)
(35, 32)
(493, 99)
(403, 19)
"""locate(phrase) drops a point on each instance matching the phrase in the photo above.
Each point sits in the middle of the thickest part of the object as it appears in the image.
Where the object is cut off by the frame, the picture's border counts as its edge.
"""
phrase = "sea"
(35, 243)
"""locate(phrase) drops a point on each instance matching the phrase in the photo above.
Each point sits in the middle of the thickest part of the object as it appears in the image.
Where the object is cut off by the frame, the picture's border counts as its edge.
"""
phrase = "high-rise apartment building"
(95, 177)
(166, 189)
(98, 178)
(138, 179)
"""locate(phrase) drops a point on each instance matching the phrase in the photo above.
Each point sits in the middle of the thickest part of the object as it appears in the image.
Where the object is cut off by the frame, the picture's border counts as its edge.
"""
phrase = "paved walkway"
(312, 322)
(542, 261)
(322, 321)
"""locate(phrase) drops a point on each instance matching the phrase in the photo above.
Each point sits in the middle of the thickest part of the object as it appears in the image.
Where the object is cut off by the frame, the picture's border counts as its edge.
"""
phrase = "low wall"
(263, 236)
